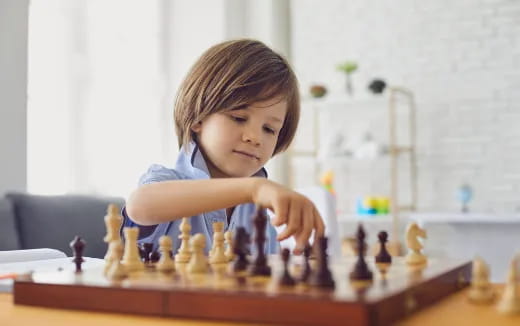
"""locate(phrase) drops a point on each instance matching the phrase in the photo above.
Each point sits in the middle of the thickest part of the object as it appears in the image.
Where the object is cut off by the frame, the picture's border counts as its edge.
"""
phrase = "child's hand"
(290, 208)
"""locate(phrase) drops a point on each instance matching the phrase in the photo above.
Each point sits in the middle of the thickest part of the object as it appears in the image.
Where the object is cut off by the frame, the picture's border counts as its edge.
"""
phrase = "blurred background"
(88, 89)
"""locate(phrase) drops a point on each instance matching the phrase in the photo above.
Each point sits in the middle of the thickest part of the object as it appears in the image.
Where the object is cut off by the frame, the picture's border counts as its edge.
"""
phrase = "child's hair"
(232, 75)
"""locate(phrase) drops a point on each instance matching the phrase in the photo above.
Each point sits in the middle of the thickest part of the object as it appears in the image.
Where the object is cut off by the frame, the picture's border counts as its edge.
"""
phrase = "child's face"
(238, 143)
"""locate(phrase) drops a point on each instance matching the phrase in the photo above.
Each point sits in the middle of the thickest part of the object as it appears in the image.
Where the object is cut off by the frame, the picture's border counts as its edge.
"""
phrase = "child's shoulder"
(158, 173)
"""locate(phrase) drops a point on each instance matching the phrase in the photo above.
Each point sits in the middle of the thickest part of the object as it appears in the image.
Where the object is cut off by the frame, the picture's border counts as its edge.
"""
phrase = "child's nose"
(250, 136)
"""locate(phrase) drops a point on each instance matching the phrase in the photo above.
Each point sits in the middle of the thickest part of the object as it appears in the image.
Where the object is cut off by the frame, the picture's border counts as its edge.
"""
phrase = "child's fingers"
(294, 221)
(319, 226)
(307, 225)
(281, 209)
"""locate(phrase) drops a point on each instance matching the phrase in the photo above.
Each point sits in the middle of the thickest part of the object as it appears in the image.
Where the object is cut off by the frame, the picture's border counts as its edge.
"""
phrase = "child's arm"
(169, 200)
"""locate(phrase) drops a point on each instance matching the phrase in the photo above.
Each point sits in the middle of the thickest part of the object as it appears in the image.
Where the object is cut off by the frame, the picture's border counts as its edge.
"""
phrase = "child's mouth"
(251, 156)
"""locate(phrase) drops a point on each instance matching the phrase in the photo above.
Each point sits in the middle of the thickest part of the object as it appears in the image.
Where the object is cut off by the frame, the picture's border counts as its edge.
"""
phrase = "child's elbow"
(137, 210)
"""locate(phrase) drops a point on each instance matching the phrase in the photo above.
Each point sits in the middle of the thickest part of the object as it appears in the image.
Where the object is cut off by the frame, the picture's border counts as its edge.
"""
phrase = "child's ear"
(197, 127)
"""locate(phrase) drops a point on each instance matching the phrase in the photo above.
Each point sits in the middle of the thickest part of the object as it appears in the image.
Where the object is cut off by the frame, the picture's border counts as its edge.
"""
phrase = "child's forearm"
(170, 200)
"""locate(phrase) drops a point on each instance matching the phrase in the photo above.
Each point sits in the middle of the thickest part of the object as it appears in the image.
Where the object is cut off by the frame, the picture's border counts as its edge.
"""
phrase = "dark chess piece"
(240, 249)
(322, 277)
(286, 278)
(306, 266)
(361, 271)
(145, 249)
(260, 266)
(78, 245)
(383, 256)
(154, 257)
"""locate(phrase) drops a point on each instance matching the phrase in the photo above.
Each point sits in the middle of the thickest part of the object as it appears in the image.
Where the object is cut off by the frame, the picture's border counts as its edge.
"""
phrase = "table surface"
(454, 310)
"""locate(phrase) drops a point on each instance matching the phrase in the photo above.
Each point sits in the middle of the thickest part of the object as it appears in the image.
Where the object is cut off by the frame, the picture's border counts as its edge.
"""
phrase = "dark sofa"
(33, 221)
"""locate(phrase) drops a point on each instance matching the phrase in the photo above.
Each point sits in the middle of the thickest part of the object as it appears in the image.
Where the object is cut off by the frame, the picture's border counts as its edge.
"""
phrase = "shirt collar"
(192, 161)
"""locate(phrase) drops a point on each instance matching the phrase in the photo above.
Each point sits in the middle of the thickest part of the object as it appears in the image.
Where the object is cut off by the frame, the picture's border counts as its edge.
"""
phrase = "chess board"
(392, 295)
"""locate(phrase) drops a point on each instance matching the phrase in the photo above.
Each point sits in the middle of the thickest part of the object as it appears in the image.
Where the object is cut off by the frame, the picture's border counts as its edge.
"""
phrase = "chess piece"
(240, 248)
(166, 263)
(306, 266)
(78, 245)
(217, 254)
(184, 254)
(154, 257)
(259, 266)
(383, 256)
(229, 246)
(286, 278)
(113, 221)
(131, 259)
(322, 277)
(116, 270)
(481, 290)
(509, 303)
(415, 257)
(114, 253)
(361, 271)
(198, 262)
(145, 249)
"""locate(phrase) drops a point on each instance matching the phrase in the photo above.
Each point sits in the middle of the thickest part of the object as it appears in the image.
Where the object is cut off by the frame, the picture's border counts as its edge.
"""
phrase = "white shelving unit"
(389, 118)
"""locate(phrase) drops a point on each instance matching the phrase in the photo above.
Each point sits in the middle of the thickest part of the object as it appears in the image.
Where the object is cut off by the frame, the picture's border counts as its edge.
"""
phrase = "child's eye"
(238, 119)
(269, 130)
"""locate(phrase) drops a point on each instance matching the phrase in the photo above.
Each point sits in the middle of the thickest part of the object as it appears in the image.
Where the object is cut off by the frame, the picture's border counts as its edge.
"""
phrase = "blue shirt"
(190, 166)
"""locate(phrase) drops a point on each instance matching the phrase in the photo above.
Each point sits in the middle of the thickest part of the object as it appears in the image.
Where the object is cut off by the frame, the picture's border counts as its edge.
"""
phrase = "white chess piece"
(198, 262)
(116, 270)
(415, 257)
(510, 301)
(131, 259)
(114, 253)
(481, 290)
(218, 255)
(166, 263)
(113, 221)
(183, 255)
(230, 255)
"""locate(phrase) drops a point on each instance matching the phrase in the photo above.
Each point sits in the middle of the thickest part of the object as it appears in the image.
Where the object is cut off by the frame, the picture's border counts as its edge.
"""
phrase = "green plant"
(347, 67)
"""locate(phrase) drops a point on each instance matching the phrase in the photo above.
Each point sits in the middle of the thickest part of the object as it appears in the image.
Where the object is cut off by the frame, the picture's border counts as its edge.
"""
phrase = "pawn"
(286, 278)
(383, 256)
(510, 301)
(78, 245)
(165, 263)
(154, 257)
(229, 243)
(198, 262)
(306, 266)
(481, 290)
(144, 251)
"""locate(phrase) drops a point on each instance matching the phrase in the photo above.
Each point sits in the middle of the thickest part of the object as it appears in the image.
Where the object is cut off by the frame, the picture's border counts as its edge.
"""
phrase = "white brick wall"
(462, 60)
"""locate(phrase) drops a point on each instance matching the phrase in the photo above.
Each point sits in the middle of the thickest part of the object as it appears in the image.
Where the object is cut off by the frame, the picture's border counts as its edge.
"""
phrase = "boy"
(238, 106)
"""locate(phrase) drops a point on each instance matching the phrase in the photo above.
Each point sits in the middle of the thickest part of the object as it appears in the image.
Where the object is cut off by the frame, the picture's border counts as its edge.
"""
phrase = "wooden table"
(454, 310)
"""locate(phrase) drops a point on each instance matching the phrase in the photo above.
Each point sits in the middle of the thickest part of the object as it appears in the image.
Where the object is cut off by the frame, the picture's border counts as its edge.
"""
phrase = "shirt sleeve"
(158, 173)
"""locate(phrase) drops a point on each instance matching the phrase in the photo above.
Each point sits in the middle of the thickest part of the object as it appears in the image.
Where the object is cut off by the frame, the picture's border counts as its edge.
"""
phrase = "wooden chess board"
(392, 295)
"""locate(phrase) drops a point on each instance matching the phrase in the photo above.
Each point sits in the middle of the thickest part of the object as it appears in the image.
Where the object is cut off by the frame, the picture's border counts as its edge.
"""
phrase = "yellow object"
(326, 181)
